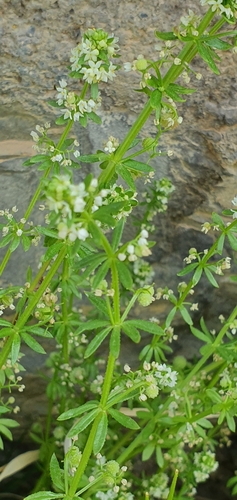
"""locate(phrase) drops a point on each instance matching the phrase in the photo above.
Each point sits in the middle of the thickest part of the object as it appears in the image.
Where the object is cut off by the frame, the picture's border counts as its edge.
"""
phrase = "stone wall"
(36, 38)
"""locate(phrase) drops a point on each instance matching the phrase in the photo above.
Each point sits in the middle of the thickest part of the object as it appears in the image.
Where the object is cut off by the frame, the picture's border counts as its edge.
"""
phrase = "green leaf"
(92, 324)
(126, 176)
(75, 412)
(98, 303)
(26, 242)
(188, 269)
(97, 341)
(170, 317)
(155, 99)
(159, 457)
(44, 495)
(101, 273)
(94, 91)
(206, 54)
(8, 422)
(53, 103)
(232, 240)
(6, 332)
(94, 117)
(6, 240)
(91, 262)
(32, 343)
(146, 326)
(16, 344)
(214, 396)
(231, 422)
(185, 315)
(53, 250)
(114, 344)
(218, 44)
(173, 485)
(38, 159)
(204, 422)
(138, 166)
(37, 330)
(6, 432)
(47, 232)
(93, 158)
(220, 244)
(124, 420)
(148, 451)
(218, 220)
(173, 95)
(181, 90)
(61, 120)
(125, 276)
(197, 275)
(131, 331)
(3, 322)
(15, 244)
(117, 234)
(200, 335)
(101, 434)
(84, 422)
(168, 35)
(56, 473)
(210, 277)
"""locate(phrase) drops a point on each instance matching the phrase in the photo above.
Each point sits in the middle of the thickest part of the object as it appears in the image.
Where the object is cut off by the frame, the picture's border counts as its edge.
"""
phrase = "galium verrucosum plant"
(104, 414)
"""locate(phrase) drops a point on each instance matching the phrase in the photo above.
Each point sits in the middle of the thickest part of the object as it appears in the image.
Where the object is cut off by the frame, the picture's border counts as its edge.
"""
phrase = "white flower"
(19, 232)
(76, 153)
(121, 257)
(82, 234)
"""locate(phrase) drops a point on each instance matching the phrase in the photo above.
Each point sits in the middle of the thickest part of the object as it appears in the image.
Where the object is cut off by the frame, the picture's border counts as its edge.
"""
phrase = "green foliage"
(93, 283)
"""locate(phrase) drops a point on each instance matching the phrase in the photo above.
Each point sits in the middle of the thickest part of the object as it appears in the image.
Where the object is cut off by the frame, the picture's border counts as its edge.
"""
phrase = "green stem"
(65, 312)
(32, 304)
(85, 458)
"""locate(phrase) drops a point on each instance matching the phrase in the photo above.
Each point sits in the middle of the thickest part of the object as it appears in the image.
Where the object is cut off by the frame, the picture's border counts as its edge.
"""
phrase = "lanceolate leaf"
(56, 473)
(131, 331)
(137, 166)
(186, 316)
(101, 273)
(16, 344)
(101, 434)
(92, 325)
(32, 343)
(146, 326)
(75, 412)
(210, 277)
(188, 269)
(117, 234)
(206, 54)
(97, 340)
(114, 344)
(126, 176)
(124, 275)
(124, 420)
(232, 240)
(84, 422)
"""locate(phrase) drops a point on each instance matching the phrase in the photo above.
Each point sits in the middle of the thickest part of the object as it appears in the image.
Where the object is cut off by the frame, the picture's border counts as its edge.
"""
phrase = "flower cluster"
(157, 485)
(153, 378)
(46, 307)
(91, 57)
(169, 118)
(68, 201)
(137, 248)
(72, 106)
(189, 24)
(220, 6)
(205, 463)
(156, 199)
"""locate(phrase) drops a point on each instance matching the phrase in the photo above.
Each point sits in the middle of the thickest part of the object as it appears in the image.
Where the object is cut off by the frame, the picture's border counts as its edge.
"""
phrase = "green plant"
(106, 415)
